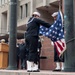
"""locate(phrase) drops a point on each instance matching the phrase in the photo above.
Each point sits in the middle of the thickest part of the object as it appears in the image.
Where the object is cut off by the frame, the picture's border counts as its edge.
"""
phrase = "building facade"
(25, 8)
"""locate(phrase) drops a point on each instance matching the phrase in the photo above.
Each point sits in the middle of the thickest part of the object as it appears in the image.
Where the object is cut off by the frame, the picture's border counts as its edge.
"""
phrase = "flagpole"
(59, 4)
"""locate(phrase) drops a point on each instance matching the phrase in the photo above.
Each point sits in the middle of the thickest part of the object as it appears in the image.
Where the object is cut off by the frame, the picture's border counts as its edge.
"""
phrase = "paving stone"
(42, 72)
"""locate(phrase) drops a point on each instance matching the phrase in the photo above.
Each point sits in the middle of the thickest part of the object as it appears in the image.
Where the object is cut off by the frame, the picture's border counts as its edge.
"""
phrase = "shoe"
(29, 71)
(57, 70)
(21, 68)
(36, 71)
(33, 70)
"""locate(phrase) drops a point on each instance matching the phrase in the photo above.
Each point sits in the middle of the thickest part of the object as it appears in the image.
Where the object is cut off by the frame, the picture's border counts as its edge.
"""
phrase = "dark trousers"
(17, 62)
(57, 58)
(32, 44)
(23, 63)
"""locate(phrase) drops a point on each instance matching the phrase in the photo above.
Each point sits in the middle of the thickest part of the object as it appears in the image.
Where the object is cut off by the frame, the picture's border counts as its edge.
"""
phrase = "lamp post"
(69, 55)
(12, 65)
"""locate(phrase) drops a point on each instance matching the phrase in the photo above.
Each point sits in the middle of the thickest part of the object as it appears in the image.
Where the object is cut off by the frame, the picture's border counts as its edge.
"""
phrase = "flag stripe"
(60, 46)
(56, 34)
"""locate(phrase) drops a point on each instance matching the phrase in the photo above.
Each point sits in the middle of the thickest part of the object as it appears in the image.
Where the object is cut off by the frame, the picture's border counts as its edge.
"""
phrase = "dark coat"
(18, 51)
(39, 45)
(31, 37)
(33, 26)
(22, 53)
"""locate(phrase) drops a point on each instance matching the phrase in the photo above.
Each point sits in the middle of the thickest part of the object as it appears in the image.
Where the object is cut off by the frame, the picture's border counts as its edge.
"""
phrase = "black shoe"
(21, 67)
(29, 71)
(33, 70)
(36, 71)
(57, 70)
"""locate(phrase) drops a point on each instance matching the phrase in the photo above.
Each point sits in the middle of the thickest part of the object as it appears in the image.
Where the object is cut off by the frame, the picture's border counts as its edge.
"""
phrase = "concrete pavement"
(42, 72)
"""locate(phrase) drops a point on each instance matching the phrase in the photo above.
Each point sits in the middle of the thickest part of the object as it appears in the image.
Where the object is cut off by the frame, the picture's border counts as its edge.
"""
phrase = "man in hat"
(57, 59)
(32, 36)
(2, 40)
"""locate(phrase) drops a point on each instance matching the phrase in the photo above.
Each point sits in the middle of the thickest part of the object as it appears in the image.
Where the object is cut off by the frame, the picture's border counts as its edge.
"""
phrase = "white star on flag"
(56, 34)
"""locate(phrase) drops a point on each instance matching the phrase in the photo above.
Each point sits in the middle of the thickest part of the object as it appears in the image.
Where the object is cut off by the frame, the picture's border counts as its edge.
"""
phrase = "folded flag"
(56, 34)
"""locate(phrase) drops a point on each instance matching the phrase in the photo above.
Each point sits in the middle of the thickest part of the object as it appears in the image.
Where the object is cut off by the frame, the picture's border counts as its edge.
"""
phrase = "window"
(3, 1)
(0, 2)
(26, 7)
(6, 1)
(21, 8)
(4, 22)
(25, 10)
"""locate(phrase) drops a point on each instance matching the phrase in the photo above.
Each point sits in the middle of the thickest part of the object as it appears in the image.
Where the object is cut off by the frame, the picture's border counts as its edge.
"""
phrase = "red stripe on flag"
(60, 47)
(56, 49)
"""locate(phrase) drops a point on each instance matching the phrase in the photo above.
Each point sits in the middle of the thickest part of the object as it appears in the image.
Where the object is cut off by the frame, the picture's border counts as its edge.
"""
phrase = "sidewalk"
(42, 72)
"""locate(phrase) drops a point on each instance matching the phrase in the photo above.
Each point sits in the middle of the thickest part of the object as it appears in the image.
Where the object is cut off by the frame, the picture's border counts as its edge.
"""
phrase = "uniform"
(32, 35)
(57, 59)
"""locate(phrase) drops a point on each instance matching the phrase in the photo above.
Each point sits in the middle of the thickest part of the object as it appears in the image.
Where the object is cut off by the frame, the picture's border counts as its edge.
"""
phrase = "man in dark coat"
(32, 34)
(22, 54)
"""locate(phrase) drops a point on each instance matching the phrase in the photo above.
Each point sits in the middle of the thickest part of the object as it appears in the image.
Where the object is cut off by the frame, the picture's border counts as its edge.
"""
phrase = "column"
(69, 55)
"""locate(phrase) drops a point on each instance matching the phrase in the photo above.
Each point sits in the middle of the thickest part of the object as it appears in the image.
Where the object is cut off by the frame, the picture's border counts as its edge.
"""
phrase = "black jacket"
(33, 26)
(22, 53)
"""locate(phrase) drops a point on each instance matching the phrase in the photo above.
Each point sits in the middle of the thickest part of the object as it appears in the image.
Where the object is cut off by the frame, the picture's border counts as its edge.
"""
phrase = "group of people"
(31, 39)
(22, 53)
(29, 49)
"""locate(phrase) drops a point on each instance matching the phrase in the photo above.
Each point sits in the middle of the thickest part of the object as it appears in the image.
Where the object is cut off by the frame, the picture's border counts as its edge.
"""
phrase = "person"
(2, 40)
(18, 51)
(32, 35)
(57, 59)
(22, 54)
(39, 51)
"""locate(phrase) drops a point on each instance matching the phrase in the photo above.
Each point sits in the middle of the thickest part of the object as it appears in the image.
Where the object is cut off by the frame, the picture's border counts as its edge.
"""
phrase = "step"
(42, 72)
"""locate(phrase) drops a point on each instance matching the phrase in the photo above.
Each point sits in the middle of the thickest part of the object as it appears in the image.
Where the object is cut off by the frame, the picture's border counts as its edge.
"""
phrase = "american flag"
(56, 34)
